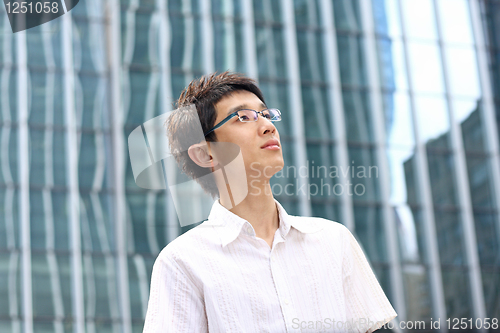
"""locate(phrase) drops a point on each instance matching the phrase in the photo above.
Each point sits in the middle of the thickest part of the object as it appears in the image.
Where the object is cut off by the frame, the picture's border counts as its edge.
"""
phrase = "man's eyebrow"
(244, 106)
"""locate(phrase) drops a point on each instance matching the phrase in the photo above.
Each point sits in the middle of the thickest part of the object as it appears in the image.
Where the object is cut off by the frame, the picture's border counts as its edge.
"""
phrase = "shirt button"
(286, 302)
(273, 259)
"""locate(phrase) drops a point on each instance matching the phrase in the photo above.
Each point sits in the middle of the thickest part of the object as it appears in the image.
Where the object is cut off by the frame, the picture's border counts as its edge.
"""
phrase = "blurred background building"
(406, 89)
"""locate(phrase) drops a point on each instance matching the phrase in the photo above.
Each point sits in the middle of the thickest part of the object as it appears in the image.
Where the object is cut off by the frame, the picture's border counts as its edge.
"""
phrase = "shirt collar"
(231, 225)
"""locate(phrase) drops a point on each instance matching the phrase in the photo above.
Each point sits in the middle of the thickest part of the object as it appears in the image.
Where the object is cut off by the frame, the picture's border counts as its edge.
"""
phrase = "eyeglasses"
(247, 115)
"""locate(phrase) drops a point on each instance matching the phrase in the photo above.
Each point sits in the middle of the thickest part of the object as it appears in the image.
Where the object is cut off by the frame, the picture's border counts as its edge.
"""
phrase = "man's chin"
(264, 169)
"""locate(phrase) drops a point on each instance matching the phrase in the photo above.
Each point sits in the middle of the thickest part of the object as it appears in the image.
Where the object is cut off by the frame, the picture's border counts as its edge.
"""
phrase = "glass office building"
(390, 115)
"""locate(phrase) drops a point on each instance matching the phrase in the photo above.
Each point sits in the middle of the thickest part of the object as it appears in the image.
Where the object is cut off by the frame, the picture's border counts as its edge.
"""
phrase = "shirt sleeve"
(366, 303)
(175, 302)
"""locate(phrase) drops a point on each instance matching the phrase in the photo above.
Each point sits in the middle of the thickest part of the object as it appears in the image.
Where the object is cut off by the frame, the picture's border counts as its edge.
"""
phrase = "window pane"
(228, 45)
(351, 61)
(397, 159)
(469, 115)
(370, 231)
(455, 21)
(487, 241)
(399, 121)
(462, 71)
(307, 12)
(418, 15)
(387, 19)
(432, 121)
(425, 66)
(270, 52)
(357, 116)
(480, 182)
(491, 292)
(442, 178)
(10, 288)
(310, 49)
(347, 15)
(364, 173)
(392, 64)
(417, 293)
(317, 115)
(450, 238)
(456, 293)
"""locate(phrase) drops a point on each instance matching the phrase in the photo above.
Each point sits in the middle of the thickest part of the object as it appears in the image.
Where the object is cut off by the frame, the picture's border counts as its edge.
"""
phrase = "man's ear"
(200, 155)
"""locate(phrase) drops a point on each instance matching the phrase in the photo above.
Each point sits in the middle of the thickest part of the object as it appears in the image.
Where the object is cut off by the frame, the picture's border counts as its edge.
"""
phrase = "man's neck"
(260, 211)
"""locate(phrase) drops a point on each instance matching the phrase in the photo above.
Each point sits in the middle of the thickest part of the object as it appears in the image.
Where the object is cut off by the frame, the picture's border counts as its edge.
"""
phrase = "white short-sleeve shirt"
(220, 277)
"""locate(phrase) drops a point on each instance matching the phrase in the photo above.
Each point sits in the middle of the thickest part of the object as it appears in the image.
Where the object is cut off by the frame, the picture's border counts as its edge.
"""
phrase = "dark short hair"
(204, 93)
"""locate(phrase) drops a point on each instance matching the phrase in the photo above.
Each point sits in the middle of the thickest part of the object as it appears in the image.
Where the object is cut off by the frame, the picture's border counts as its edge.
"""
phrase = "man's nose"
(267, 125)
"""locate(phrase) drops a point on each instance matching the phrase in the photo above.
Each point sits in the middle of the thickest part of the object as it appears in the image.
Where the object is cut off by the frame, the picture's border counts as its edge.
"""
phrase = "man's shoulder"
(318, 224)
(192, 241)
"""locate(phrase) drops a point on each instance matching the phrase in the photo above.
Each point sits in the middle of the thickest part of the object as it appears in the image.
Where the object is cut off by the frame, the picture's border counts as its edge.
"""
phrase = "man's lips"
(272, 144)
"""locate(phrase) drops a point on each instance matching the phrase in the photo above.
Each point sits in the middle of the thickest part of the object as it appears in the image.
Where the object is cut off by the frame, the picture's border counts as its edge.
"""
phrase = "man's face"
(251, 137)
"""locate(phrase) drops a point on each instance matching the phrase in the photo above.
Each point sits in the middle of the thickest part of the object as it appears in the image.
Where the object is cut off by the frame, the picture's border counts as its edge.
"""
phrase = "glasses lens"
(272, 114)
(247, 115)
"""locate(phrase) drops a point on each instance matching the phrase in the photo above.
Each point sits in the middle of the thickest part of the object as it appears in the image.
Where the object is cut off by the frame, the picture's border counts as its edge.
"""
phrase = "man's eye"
(244, 118)
(267, 115)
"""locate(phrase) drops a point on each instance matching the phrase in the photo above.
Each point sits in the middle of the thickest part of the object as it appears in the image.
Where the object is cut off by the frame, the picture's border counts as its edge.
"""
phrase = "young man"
(257, 269)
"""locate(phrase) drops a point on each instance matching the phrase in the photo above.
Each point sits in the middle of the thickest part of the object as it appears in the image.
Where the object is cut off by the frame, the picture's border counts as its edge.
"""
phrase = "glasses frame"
(232, 115)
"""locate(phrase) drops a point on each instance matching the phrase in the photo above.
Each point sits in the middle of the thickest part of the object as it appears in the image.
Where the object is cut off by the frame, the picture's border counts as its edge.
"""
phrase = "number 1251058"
(32, 7)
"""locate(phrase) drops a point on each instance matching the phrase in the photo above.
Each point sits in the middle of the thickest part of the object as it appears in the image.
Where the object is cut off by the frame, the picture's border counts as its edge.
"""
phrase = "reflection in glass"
(10, 288)
(364, 173)
(450, 237)
(270, 52)
(316, 112)
(51, 279)
(357, 116)
(455, 21)
(469, 114)
(491, 277)
(347, 15)
(228, 8)
(478, 171)
(228, 45)
(351, 61)
(411, 181)
(386, 16)
(462, 71)
(392, 64)
(400, 131)
(307, 12)
(267, 10)
(407, 234)
(422, 240)
(433, 122)
(322, 172)
(442, 177)
(456, 292)
(417, 293)
(310, 51)
(487, 241)
(419, 19)
(185, 52)
(397, 158)
(370, 232)
(425, 64)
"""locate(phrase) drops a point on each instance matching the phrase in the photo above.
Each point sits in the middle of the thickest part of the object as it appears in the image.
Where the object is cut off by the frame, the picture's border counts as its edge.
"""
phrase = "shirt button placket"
(280, 286)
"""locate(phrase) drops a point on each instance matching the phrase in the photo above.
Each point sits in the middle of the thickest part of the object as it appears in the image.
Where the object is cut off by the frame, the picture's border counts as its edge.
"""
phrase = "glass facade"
(391, 107)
